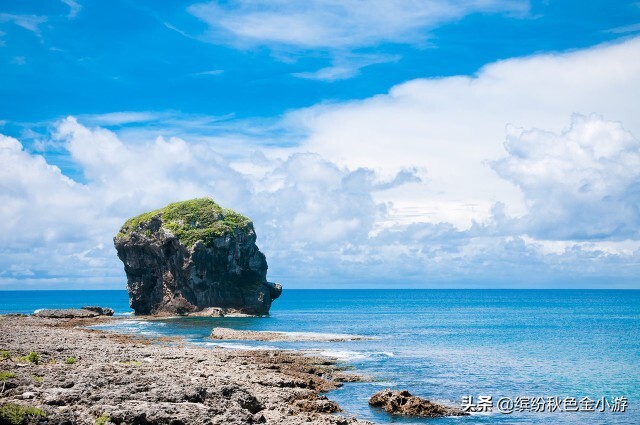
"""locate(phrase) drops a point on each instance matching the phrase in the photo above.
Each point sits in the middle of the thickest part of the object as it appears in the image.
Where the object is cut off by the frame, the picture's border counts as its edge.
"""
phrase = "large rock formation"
(193, 255)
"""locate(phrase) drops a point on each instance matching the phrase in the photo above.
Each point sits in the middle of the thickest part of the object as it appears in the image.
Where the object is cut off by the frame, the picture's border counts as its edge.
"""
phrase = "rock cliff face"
(193, 255)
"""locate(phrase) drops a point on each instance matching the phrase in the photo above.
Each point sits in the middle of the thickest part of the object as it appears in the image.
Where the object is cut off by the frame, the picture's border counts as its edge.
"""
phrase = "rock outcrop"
(240, 334)
(74, 313)
(191, 256)
(403, 403)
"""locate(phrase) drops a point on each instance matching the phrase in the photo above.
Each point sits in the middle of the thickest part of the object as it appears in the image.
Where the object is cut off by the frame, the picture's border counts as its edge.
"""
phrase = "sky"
(404, 144)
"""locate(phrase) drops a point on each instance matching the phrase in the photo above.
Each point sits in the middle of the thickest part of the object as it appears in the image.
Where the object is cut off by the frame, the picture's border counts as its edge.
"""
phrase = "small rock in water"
(403, 403)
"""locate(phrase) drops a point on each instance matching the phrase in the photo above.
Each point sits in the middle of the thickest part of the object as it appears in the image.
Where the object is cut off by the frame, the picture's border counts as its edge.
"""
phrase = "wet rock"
(403, 403)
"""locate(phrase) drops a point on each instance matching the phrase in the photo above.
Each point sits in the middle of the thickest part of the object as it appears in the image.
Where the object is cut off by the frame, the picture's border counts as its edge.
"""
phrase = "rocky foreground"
(53, 371)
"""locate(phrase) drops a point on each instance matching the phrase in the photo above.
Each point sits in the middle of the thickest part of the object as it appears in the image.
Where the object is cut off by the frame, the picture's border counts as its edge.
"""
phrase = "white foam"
(237, 346)
(321, 336)
(300, 336)
(347, 355)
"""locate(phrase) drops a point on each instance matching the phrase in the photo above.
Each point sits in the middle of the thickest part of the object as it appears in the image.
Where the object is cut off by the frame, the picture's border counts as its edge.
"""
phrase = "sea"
(509, 356)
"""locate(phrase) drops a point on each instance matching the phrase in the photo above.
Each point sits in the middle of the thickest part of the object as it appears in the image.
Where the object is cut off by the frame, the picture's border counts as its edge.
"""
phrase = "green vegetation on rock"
(70, 360)
(102, 420)
(32, 357)
(6, 375)
(190, 221)
(5, 354)
(16, 414)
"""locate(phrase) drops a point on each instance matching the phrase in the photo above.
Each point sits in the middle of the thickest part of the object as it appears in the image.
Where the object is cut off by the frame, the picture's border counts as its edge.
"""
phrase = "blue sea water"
(439, 344)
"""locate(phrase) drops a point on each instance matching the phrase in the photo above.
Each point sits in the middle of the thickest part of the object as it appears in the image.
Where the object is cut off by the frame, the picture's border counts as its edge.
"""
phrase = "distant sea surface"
(440, 344)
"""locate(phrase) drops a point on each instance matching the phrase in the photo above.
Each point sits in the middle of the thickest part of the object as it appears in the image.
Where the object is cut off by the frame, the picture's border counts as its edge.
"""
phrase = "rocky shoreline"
(76, 375)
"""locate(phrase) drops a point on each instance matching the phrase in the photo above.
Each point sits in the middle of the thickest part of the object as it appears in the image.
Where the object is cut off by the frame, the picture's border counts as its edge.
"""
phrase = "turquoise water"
(440, 344)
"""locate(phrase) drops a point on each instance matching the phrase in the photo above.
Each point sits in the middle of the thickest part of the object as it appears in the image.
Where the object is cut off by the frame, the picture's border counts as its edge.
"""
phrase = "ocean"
(525, 349)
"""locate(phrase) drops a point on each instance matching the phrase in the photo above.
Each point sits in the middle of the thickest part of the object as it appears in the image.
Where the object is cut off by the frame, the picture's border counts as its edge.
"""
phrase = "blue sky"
(434, 143)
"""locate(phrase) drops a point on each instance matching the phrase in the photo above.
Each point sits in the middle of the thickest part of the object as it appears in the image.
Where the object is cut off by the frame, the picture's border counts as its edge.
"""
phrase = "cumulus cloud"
(433, 183)
(583, 183)
(301, 204)
(451, 127)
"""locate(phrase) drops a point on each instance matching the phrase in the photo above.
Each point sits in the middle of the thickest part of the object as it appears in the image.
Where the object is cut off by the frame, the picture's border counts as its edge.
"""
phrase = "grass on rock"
(190, 221)
(103, 419)
(32, 357)
(15, 414)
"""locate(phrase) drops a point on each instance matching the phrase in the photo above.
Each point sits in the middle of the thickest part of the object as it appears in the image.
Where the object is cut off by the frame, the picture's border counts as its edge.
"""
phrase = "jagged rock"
(102, 311)
(193, 255)
(403, 403)
(74, 313)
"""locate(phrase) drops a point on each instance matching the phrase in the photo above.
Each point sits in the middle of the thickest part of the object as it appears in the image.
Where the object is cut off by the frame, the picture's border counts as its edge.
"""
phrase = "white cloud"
(583, 183)
(120, 118)
(29, 22)
(450, 127)
(344, 67)
(337, 28)
(74, 7)
(301, 204)
(625, 29)
(336, 24)
(213, 72)
(397, 189)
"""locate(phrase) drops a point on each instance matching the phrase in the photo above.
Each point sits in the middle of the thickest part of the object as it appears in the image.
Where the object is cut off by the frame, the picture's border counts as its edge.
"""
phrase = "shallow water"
(440, 344)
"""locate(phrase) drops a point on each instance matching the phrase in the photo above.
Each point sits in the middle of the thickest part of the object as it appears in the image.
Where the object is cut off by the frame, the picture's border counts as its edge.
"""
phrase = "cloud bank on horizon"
(525, 173)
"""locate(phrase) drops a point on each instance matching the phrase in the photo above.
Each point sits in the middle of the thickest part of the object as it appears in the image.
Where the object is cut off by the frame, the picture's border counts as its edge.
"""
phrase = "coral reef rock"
(193, 256)
(403, 403)
(74, 313)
